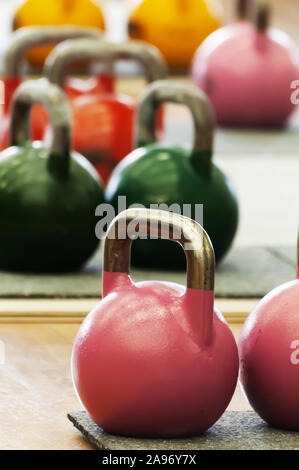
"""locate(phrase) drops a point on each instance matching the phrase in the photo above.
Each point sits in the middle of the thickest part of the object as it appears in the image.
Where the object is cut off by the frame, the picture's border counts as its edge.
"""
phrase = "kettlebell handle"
(243, 8)
(195, 100)
(53, 99)
(262, 20)
(298, 256)
(26, 38)
(262, 15)
(58, 62)
(164, 225)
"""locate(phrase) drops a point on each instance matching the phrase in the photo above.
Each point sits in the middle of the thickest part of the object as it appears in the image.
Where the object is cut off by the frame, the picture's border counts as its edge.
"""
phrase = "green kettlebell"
(158, 174)
(48, 196)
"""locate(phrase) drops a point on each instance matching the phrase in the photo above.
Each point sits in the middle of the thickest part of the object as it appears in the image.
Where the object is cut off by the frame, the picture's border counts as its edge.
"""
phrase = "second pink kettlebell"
(247, 70)
(269, 354)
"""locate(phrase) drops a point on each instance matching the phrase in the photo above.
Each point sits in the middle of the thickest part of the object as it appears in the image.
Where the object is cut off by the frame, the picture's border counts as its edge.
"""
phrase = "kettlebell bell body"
(176, 27)
(48, 196)
(269, 353)
(26, 39)
(56, 13)
(246, 71)
(156, 174)
(103, 130)
(154, 359)
(103, 122)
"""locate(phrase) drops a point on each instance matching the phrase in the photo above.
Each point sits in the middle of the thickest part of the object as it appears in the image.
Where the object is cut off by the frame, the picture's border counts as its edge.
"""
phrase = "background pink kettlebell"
(269, 354)
(247, 70)
(155, 359)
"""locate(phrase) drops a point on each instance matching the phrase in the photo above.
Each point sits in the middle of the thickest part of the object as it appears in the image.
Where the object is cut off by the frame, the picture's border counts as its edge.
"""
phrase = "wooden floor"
(36, 388)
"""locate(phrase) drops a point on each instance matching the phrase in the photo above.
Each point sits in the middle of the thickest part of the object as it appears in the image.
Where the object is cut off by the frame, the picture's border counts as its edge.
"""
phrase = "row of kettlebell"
(176, 27)
(102, 120)
(154, 359)
(246, 68)
(40, 211)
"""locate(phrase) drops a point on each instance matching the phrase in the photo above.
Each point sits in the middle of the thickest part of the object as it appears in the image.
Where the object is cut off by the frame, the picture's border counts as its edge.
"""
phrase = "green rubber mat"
(236, 430)
(245, 273)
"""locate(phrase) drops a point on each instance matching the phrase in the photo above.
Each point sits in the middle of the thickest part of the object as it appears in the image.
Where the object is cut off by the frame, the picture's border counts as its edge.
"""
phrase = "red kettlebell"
(247, 70)
(155, 359)
(103, 123)
(22, 41)
(269, 350)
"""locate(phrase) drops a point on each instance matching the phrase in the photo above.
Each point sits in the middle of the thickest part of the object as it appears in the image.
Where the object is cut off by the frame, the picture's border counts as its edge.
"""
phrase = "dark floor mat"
(236, 430)
(245, 273)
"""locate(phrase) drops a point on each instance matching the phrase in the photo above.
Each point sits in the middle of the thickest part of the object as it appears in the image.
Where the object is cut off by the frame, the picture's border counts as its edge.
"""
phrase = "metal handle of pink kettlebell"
(163, 91)
(26, 38)
(244, 8)
(59, 61)
(298, 256)
(263, 12)
(52, 98)
(164, 225)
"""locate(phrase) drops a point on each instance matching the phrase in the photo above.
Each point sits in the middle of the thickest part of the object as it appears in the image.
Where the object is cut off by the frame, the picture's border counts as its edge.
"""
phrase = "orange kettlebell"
(24, 40)
(103, 123)
(56, 13)
(176, 27)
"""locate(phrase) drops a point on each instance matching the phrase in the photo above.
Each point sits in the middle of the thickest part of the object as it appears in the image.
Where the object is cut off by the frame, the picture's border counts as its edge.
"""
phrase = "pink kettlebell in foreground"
(269, 354)
(247, 71)
(155, 359)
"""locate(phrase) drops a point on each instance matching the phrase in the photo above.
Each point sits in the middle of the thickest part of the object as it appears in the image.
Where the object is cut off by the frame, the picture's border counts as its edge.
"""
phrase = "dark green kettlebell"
(158, 174)
(48, 196)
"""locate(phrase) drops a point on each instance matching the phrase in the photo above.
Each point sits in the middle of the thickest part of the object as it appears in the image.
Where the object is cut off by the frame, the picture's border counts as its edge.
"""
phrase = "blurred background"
(264, 153)
(284, 15)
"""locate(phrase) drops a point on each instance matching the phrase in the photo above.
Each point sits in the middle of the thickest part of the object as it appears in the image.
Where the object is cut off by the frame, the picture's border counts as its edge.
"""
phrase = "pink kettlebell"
(269, 353)
(247, 70)
(155, 359)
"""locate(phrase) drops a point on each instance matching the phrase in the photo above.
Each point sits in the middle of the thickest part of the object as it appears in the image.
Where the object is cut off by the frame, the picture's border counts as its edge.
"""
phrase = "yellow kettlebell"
(176, 27)
(56, 13)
